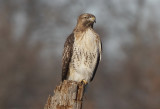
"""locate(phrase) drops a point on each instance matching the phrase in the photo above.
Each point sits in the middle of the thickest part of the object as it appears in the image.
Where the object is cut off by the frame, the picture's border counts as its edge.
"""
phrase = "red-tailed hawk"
(82, 51)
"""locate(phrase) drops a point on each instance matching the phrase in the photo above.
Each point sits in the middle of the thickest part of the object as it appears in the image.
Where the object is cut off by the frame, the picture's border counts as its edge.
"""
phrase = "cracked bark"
(68, 95)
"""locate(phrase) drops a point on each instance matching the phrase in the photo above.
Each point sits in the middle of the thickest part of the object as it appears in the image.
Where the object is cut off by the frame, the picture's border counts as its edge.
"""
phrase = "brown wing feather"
(96, 66)
(95, 69)
(67, 55)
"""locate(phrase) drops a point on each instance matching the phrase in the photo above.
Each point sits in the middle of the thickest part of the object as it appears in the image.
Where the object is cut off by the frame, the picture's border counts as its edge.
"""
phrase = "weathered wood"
(68, 95)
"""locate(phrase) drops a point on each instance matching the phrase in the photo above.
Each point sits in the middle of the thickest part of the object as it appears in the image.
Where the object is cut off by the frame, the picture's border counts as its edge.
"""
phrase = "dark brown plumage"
(67, 54)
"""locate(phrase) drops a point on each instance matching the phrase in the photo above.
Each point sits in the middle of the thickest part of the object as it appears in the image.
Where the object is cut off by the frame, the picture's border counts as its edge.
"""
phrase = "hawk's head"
(86, 20)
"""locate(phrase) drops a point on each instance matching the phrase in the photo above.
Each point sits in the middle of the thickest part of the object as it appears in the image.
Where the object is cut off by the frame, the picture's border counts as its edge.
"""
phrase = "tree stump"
(68, 95)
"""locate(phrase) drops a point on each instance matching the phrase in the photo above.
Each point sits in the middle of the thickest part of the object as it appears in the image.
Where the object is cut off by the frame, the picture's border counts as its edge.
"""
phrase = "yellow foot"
(84, 82)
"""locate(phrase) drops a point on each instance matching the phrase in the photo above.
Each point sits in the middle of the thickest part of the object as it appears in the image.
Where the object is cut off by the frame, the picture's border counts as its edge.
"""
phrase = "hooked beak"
(92, 19)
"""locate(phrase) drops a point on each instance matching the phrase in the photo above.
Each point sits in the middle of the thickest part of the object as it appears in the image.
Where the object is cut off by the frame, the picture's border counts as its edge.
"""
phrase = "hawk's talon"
(84, 82)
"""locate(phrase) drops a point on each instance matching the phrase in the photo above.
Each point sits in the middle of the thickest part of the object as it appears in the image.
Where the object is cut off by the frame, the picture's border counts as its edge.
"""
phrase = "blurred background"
(32, 35)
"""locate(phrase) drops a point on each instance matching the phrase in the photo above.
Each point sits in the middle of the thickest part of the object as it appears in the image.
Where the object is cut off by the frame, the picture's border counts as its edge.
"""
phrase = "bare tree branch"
(68, 95)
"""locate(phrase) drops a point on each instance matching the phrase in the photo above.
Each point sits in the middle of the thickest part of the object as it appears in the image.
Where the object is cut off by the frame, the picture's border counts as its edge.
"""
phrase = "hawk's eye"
(85, 17)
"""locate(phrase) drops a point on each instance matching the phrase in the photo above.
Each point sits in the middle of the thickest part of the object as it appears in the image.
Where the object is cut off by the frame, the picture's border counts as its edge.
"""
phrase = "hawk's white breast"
(84, 58)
